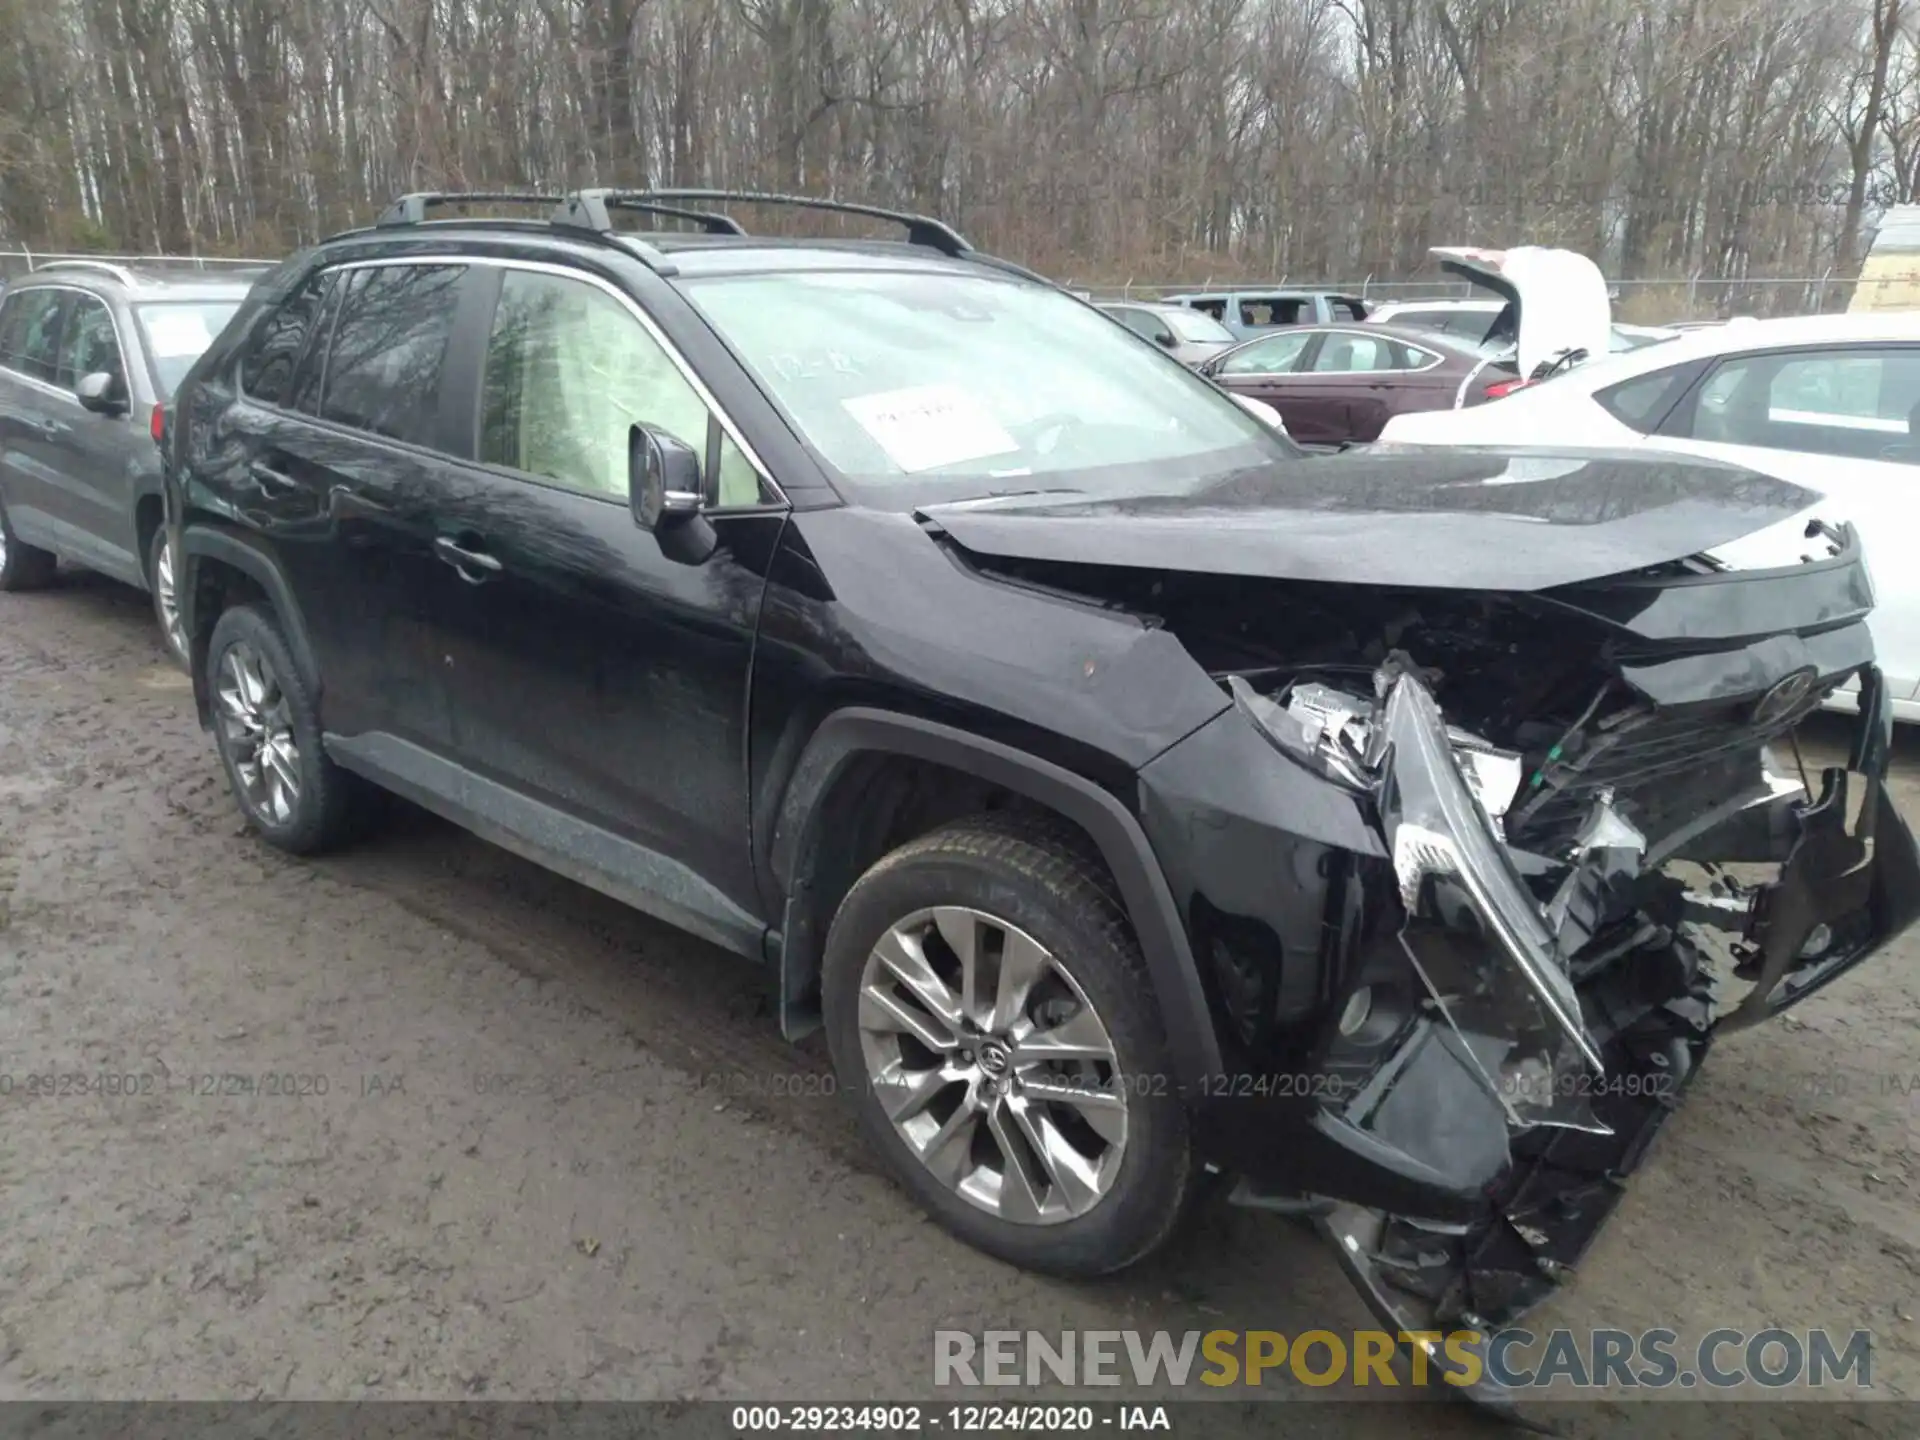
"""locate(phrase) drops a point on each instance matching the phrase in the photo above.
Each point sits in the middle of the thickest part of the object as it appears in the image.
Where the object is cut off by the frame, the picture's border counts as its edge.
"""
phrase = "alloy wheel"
(3, 547)
(166, 599)
(256, 731)
(992, 1065)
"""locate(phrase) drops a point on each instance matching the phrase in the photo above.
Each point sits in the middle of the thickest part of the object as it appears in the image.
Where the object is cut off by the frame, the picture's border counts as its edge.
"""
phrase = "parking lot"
(498, 1137)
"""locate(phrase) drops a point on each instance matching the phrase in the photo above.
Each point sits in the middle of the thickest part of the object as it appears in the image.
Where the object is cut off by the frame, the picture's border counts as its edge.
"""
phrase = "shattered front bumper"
(1582, 1096)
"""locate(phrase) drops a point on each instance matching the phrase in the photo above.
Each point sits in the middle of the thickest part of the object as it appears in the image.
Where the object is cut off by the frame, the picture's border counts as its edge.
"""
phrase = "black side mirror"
(101, 392)
(1166, 341)
(663, 489)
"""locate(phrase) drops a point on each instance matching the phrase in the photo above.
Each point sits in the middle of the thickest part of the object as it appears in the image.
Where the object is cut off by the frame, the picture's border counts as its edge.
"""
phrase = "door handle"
(467, 562)
(271, 478)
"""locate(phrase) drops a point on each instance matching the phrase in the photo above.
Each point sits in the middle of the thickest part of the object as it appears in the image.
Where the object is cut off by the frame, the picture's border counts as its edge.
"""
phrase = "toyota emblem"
(1788, 695)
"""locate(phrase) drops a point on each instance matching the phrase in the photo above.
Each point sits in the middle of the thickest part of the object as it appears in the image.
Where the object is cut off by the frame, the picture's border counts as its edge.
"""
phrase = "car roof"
(1166, 307)
(1736, 336)
(1488, 305)
(145, 281)
(1258, 292)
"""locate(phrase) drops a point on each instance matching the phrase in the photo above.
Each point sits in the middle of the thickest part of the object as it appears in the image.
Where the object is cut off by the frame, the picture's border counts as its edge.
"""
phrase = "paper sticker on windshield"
(174, 333)
(928, 426)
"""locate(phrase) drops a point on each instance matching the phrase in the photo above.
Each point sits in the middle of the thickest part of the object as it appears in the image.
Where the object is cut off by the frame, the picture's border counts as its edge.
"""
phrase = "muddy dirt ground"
(536, 1146)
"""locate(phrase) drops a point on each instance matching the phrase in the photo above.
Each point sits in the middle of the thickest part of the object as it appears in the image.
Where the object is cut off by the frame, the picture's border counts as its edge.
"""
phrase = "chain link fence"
(1644, 302)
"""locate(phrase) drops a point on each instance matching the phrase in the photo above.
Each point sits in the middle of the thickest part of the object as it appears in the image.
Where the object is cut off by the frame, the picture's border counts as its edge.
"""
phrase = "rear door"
(1373, 376)
(598, 685)
(33, 414)
(1844, 421)
(335, 459)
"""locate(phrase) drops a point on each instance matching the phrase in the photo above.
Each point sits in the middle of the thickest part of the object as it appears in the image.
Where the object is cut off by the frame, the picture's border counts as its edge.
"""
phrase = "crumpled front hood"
(1457, 519)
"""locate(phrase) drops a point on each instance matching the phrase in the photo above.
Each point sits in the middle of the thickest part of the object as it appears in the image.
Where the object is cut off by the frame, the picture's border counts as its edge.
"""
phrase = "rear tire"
(162, 577)
(267, 730)
(1034, 1118)
(22, 566)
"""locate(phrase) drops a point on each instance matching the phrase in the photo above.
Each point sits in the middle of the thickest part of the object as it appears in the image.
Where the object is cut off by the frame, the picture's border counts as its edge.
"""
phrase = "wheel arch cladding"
(224, 568)
(848, 736)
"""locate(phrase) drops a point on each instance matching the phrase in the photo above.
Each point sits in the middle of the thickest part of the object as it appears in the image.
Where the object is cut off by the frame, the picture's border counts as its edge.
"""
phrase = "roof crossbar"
(592, 210)
(412, 209)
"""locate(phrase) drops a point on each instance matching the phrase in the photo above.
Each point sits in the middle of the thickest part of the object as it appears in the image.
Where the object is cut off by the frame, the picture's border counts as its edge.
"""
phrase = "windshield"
(177, 332)
(989, 385)
(1200, 329)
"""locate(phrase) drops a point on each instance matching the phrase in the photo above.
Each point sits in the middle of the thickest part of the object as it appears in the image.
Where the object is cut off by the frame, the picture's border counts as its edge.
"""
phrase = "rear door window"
(1857, 402)
(267, 370)
(88, 345)
(30, 340)
(1348, 309)
(1345, 351)
(389, 344)
(1279, 310)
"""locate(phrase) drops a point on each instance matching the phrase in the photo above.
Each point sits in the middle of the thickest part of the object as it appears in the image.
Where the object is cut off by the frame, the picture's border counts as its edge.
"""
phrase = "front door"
(98, 454)
(1264, 371)
(600, 684)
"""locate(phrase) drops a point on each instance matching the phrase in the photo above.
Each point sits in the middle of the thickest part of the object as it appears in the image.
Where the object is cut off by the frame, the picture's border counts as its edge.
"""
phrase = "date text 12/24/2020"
(1015, 1419)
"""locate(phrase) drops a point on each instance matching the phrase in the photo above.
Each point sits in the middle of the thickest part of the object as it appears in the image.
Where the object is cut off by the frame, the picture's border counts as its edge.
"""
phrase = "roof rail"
(118, 272)
(412, 209)
(589, 210)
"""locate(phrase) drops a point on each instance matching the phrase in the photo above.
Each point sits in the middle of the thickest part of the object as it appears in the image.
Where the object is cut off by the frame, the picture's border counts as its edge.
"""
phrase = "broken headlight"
(1333, 734)
(1481, 944)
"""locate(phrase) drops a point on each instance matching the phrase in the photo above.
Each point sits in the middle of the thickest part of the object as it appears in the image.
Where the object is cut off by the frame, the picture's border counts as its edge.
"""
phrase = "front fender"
(850, 733)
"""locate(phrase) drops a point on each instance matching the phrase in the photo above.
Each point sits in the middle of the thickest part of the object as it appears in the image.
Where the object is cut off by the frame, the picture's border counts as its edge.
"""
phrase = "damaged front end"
(1525, 997)
(1468, 935)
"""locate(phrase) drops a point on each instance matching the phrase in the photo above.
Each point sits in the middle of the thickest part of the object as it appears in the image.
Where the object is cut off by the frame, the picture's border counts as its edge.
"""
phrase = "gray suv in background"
(90, 352)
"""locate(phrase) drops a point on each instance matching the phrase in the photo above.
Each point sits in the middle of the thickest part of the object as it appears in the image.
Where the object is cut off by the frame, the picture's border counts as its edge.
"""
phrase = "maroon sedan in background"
(1338, 383)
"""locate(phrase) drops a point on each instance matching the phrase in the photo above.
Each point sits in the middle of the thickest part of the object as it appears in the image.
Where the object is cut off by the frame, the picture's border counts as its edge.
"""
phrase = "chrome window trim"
(647, 323)
(119, 338)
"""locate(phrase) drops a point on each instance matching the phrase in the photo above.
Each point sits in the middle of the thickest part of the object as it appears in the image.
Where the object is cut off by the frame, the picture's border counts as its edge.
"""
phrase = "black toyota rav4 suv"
(1129, 797)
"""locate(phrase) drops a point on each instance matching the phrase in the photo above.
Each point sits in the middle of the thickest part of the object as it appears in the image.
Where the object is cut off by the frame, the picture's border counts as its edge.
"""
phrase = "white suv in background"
(1830, 402)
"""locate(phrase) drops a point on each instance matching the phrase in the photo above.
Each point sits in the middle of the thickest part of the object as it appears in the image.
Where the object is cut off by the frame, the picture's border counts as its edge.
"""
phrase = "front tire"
(22, 566)
(267, 729)
(991, 1021)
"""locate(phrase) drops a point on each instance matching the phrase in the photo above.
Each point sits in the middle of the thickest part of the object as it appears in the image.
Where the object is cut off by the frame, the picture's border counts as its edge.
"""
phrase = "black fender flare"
(257, 562)
(847, 734)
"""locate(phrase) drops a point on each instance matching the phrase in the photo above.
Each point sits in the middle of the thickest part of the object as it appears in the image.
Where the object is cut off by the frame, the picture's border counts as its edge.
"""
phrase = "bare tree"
(1095, 139)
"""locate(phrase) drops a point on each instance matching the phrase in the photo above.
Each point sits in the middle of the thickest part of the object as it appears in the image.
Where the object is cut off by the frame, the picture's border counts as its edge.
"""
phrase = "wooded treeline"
(1091, 138)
